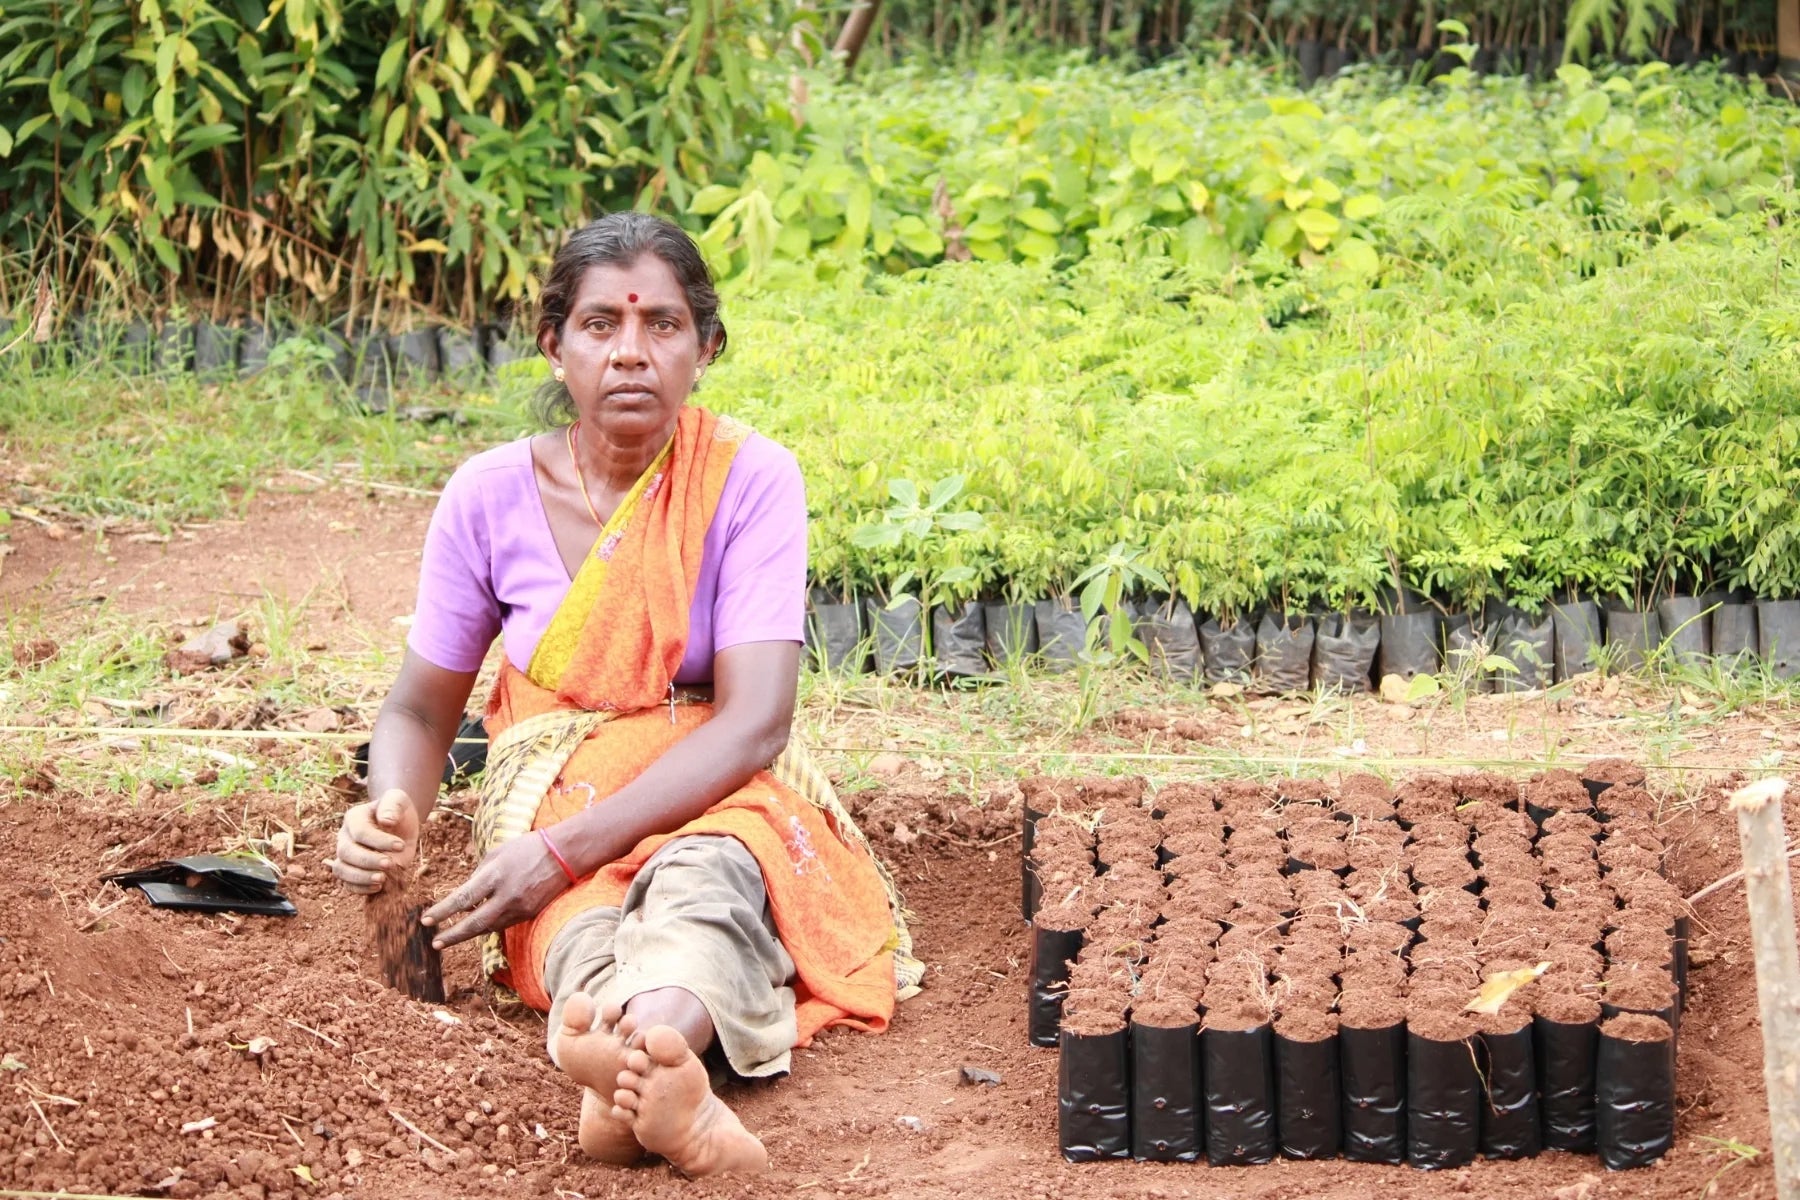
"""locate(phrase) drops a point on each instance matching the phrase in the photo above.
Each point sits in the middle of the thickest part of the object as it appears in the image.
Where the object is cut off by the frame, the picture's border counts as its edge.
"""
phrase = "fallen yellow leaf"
(1498, 988)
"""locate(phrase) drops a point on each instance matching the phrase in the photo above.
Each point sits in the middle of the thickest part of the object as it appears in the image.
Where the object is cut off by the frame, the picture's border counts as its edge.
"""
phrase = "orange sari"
(594, 710)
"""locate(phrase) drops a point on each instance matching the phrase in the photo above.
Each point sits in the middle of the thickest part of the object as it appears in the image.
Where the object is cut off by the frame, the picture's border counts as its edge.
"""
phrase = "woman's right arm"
(413, 734)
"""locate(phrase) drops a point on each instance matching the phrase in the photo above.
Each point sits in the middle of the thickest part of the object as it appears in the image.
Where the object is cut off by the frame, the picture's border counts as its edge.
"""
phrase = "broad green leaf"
(1317, 224)
(1362, 207)
(1041, 220)
(391, 133)
(1037, 245)
(456, 46)
(391, 61)
(711, 199)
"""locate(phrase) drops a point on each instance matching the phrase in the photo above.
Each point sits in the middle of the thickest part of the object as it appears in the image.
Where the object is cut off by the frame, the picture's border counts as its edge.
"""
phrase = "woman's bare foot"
(593, 1054)
(664, 1093)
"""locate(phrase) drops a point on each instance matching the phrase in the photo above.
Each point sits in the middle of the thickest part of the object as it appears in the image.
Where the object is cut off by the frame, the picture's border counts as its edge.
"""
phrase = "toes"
(626, 1024)
(610, 1017)
(625, 1100)
(578, 1014)
(629, 1081)
(636, 1061)
(665, 1044)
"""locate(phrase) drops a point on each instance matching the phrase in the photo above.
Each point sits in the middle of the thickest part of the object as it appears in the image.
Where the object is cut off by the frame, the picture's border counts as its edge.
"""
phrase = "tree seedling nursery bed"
(1456, 966)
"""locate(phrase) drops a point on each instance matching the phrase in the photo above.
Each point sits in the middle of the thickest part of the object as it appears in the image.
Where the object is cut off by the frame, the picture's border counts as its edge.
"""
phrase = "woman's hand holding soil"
(512, 883)
(377, 839)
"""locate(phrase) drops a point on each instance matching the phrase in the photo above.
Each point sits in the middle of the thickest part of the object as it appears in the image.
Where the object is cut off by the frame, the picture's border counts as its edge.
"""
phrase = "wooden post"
(1787, 37)
(1771, 896)
(862, 19)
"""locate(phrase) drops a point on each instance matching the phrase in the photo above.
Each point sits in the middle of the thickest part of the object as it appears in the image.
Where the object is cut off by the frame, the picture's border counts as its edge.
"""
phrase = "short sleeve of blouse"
(762, 573)
(457, 616)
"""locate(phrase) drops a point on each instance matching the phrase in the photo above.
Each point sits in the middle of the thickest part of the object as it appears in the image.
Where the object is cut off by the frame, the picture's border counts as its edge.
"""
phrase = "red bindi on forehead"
(631, 297)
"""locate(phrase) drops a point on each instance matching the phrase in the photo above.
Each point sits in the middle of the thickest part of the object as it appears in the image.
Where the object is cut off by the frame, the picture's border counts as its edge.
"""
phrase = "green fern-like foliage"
(1621, 24)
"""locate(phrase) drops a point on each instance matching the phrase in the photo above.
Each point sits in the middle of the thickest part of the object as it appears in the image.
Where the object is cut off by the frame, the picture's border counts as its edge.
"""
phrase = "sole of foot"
(665, 1095)
(592, 1053)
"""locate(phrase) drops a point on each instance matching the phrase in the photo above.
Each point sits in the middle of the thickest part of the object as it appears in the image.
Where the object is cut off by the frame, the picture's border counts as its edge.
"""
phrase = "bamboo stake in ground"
(1771, 896)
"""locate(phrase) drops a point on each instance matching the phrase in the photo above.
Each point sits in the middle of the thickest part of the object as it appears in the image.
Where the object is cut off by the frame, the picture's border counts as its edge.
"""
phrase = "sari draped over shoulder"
(597, 706)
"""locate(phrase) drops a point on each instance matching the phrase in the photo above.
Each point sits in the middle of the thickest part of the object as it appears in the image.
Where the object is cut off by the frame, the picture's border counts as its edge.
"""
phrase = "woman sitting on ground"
(666, 875)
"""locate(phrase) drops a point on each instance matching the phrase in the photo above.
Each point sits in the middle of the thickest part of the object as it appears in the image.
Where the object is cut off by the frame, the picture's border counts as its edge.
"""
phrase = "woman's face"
(629, 349)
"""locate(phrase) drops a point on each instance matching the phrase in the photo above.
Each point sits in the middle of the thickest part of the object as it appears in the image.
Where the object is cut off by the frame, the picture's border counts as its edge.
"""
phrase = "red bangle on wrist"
(557, 855)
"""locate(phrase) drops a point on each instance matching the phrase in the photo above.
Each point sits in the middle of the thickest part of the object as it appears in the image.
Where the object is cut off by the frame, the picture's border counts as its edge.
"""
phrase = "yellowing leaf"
(1360, 208)
(1498, 988)
(304, 1172)
(1197, 195)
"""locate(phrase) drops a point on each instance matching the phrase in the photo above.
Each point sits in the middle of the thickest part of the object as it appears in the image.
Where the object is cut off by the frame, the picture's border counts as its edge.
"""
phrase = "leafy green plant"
(912, 527)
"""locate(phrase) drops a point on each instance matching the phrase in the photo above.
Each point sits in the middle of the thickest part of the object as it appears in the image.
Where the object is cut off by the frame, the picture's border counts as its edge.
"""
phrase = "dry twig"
(395, 1113)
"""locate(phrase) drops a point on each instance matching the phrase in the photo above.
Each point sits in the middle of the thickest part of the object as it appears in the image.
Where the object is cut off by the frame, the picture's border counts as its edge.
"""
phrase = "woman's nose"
(628, 346)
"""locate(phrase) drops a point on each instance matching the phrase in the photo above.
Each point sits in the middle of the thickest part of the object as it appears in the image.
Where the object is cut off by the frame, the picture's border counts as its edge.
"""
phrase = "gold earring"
(558, 375)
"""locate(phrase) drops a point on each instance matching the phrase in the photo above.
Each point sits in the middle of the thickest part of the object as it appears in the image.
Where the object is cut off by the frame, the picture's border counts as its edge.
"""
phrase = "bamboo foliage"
(392, 157)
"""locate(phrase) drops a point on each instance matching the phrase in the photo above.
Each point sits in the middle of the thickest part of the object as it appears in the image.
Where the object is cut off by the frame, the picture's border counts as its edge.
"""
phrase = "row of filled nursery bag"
(1279, 652)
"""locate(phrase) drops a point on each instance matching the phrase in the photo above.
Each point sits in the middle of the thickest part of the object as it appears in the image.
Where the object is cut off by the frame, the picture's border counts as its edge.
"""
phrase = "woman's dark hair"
(618, 240)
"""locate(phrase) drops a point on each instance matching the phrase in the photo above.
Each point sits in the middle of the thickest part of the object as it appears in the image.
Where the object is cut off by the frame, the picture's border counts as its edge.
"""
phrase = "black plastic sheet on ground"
(1051, 951)
(1510, 1122)
(1093, 1097)
(1443, 1102)
(1372, 1063)
(1308, 1118)
(1636, 1101)
(1238, 1070)
(1167, 1102)
(1567, 1054)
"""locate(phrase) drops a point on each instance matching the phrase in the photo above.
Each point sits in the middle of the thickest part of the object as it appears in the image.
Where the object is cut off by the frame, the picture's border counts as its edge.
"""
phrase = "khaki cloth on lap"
(695, 917)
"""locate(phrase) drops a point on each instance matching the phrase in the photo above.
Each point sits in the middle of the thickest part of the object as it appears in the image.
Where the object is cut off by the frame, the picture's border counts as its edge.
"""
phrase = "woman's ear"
(550, 345)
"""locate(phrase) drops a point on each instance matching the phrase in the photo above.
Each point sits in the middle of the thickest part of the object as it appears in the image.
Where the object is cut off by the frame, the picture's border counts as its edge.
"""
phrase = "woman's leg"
(585, 1038)
(698, 957)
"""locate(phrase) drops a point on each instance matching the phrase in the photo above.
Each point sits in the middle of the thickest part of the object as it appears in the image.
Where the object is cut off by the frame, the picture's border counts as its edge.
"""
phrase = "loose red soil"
(95, 1007)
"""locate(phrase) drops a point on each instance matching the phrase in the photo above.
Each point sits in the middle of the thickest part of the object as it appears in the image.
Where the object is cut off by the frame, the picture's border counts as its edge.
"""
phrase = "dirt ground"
(121, 1025)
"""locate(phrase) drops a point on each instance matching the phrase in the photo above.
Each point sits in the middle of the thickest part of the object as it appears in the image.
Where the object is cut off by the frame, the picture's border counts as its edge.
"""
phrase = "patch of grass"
(89, 442)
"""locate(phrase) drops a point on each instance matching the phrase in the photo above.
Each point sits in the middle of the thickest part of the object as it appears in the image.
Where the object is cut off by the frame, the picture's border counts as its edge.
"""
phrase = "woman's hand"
(376, 840)
(512, 884)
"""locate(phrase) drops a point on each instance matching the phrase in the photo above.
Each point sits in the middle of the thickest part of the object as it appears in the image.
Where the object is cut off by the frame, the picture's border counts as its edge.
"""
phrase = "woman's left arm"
(754, 686)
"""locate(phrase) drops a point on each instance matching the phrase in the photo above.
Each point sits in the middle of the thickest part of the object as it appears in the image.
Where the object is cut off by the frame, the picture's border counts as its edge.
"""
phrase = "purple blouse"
(491, 567)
